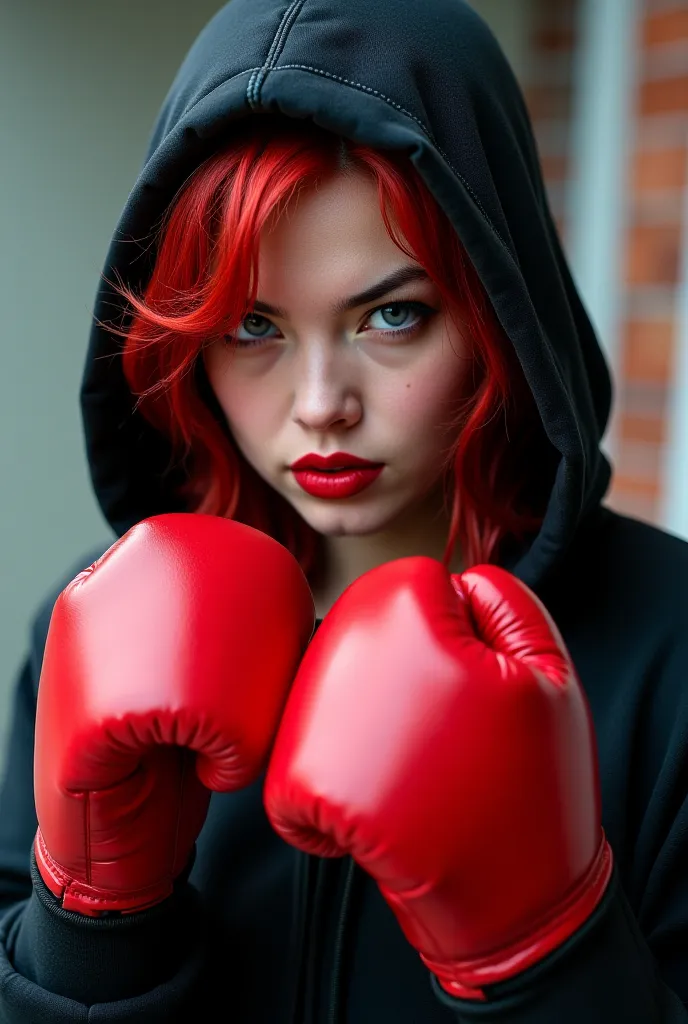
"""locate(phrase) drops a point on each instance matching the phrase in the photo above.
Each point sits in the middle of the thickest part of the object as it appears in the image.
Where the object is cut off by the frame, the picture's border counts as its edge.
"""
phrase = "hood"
(425, 77)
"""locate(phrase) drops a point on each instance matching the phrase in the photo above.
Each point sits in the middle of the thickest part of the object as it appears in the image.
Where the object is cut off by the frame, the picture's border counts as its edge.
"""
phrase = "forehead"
(328, 234)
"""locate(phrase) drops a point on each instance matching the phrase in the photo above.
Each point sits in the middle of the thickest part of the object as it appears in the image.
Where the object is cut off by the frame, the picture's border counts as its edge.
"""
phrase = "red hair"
(204, 283)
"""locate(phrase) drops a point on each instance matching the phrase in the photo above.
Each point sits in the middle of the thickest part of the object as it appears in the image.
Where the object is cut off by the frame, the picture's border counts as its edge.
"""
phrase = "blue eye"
(396, 315)
(255, 327)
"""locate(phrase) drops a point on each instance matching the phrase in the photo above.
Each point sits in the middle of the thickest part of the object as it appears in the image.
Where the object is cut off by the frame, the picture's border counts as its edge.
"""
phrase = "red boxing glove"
(166, 669)
(437, 733)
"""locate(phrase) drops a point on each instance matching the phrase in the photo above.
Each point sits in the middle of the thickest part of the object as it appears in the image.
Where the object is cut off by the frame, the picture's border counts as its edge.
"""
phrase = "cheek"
(245, 406)
(429, 399)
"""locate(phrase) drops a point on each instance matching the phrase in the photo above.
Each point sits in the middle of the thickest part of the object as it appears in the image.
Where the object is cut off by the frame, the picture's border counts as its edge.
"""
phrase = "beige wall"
(80, 84)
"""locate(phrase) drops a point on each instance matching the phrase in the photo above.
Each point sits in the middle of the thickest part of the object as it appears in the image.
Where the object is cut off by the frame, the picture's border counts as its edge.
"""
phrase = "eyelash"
(425, 313)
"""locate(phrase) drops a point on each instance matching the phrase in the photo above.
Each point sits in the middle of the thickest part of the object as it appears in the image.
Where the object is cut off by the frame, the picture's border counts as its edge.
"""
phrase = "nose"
(326, 397)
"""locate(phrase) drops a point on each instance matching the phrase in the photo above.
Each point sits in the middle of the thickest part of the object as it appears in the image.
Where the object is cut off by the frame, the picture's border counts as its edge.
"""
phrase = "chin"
(348, 522)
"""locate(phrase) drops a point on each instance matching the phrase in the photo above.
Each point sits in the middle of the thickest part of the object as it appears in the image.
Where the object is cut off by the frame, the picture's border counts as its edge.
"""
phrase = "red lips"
(335, 477)
(338, 460)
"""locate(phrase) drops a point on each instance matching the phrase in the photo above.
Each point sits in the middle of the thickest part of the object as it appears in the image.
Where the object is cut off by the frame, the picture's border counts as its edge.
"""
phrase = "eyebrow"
(394, 280)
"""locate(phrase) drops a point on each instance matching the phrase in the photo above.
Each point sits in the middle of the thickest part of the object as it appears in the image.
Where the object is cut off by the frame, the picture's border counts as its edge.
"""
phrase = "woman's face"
(318, 367)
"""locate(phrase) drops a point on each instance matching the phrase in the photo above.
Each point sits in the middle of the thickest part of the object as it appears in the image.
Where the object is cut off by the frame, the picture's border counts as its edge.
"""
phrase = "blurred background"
(81, 81)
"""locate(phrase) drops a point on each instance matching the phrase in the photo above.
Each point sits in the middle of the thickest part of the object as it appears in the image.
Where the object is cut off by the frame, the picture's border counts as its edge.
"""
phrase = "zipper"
(336, 998)
(303, 866)
(313, 947)
(311, 878)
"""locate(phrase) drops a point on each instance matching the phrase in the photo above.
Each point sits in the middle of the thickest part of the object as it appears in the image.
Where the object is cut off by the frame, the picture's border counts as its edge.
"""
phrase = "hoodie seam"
(204, 96)
(258, 77)
(397, 106)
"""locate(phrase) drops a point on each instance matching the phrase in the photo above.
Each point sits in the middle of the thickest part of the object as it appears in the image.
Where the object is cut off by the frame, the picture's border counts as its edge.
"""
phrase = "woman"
(336, 310)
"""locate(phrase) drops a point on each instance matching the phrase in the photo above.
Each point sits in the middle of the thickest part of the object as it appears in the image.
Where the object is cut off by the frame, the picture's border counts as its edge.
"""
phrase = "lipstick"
(340, 475)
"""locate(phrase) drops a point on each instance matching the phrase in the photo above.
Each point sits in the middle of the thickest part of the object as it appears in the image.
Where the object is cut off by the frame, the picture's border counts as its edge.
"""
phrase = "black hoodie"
(261, 934)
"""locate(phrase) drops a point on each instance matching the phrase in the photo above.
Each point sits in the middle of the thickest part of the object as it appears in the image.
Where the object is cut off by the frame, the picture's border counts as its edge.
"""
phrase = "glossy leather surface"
(437, 733)
(166, 668)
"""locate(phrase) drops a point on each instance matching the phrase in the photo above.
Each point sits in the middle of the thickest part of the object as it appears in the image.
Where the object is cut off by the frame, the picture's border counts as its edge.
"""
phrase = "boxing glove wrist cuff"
(81, 898)
(466, 979)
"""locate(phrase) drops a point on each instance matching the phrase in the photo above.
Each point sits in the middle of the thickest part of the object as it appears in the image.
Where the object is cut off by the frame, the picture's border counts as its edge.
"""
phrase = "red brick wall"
(653, 189)
(656, 181)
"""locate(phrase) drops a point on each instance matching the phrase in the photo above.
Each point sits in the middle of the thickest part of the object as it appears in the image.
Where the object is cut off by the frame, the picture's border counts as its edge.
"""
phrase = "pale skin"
(306, 378)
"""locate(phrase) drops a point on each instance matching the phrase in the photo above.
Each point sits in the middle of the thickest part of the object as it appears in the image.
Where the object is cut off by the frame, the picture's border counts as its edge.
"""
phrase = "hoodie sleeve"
(57, 966)
(605, 972)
